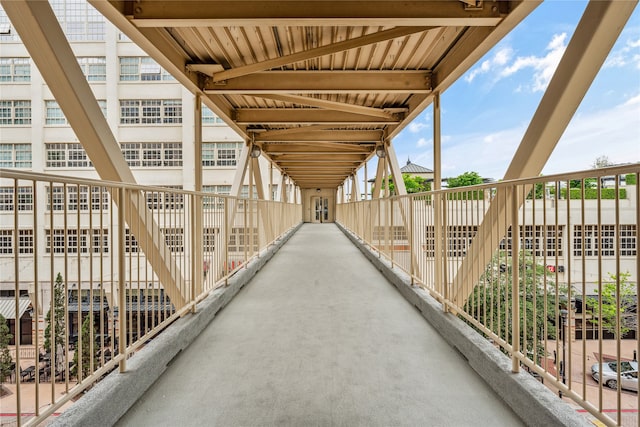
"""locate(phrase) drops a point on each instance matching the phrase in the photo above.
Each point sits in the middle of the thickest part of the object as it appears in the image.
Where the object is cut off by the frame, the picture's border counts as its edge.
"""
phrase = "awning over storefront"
(8, 307)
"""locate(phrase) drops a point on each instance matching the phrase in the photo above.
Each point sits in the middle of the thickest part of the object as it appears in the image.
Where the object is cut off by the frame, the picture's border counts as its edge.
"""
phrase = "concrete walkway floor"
(319, 338)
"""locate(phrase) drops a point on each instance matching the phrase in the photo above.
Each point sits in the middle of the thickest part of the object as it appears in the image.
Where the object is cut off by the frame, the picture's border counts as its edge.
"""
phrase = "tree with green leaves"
(5, 356)
(464, 180)
(413, 184)
(86, 332)
(611, 309)
(57, 305)
(490, 302)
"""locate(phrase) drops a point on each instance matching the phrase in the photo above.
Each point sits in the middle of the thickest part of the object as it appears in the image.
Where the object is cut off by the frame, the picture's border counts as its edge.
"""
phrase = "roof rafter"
(329, 105)
(329, 12)
(317, 52)
(351, 82)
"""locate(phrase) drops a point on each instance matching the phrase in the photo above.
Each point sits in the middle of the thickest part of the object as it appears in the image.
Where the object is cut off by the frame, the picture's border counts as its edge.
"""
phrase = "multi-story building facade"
(152, 116)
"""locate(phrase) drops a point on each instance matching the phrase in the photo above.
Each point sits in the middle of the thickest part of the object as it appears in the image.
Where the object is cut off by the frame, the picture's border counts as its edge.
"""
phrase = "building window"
(628, 240)
(151, 111)
(79, 20)
(77, 241)
(588, 240)
(77, 197)
(142, 68)
(237, 239)
(130, 242)
(65, 155)
(94, 68)
(220, 153)
(209, 117)
(25, 199)
(152, 154)
(165, 200)
(213, 202)
(25, 242)
(536, 240)
(55, 116)
(15, 155)
(209, 239)
(15, 112)
(6, 242)
(174, 238)
(15, 70)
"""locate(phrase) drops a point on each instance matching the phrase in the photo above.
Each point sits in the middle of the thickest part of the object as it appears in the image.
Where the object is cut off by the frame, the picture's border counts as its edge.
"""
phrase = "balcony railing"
(108, 266)
(546, 268)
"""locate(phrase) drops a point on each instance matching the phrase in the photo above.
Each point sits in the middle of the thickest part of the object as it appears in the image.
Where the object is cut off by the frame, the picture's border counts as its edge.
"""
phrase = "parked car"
(628, 375)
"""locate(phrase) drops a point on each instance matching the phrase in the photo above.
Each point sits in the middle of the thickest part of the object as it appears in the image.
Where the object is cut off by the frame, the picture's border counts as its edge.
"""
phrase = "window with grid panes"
(589, 240)
(15, 155)
(79, 20)
(55, 240)
(99, 199)
(151, 154)
(228, 153)
(130, 242)
(209, 239)
(150, 111)
(55, 195)
(15, 70)
(174, 238)
(94, 68)
(6, 241)
(142, 68)
(25, 199)
(209, 117)
(172, 154)
(66, 155)
(25, 241)
(131, 153)
(55, 116)
(213, 202)
(15, 112)
(628, 238)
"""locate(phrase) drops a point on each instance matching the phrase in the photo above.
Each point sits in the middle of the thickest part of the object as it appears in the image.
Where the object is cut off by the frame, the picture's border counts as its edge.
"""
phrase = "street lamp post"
(563, 362)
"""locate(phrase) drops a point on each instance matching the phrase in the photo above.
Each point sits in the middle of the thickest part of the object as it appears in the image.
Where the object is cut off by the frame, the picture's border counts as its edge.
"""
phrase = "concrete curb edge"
(535, 404)
(114, 395)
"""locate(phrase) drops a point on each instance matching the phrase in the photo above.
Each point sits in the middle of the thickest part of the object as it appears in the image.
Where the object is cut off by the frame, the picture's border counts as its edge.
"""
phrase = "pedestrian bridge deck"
(319, 337)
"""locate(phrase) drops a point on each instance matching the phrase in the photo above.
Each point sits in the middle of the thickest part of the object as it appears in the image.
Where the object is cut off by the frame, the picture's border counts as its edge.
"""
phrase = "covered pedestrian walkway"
(319, 337)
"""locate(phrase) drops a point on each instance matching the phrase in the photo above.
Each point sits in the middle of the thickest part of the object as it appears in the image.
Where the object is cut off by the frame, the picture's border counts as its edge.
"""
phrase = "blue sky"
(485, 113)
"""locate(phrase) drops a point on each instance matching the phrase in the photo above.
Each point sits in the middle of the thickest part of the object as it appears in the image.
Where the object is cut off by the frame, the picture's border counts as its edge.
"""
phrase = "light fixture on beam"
(255, 151)
(380, 152)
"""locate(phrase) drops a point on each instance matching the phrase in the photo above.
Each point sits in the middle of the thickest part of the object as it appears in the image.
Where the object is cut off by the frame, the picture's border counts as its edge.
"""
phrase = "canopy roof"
(316, 84)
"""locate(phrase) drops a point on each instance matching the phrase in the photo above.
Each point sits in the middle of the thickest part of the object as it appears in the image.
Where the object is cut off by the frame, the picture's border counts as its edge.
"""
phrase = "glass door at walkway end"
(321, 209)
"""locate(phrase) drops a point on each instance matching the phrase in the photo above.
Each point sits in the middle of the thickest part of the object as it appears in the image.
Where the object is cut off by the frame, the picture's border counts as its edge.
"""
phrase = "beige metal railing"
(99, 268)
(551, 260)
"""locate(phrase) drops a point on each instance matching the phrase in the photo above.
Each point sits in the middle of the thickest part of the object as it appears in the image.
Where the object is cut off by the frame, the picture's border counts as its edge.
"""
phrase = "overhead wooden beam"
(329, 105)
(288, 116)
(329, 49)
(321, 13)
(352, 82)
(318, 133)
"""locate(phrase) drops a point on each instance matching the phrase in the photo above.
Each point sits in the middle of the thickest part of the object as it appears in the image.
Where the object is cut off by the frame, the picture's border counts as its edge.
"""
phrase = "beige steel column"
(592, 41)
(377, 186)
(355, 188)
(438, 230)
(44, 39)
(197, 255)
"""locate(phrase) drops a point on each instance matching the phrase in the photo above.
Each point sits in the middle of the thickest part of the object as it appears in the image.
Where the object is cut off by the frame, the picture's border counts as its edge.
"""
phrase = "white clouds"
(543, 66)
(416, 127)
(499, 59)
(422, 142)
(502, 64)
(626, 55)
(613, 132)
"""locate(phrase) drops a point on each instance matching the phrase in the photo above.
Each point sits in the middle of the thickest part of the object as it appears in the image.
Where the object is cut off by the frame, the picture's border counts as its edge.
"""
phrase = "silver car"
(628, 375)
